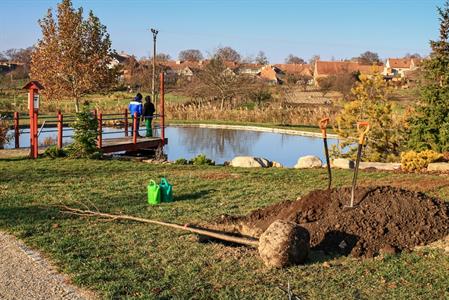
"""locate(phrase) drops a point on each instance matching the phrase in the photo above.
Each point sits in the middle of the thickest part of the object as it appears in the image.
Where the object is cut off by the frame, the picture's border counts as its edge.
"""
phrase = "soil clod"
(385, 220)
(284, 244)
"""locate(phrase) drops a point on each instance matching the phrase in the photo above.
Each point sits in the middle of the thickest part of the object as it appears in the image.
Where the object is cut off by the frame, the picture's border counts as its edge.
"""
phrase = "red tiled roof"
(299, 69)
(403, 63)
(269, 73)
(338, 67)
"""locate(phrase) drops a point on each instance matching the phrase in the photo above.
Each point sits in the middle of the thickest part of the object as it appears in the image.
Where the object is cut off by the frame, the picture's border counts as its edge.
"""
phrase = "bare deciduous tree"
(218, 83)
(368, 58)
(227, 54)
(162, 57)
(292, 59)
(190, 55)
(326, 84)
(261, 58)
(313, 60)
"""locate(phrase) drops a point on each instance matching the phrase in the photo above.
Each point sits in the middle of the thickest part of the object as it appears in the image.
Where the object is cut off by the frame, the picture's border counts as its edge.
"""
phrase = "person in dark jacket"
(135, 106)
(148, 113)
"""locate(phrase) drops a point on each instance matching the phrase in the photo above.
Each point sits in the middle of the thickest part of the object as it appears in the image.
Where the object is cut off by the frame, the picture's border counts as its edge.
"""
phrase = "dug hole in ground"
(384, 220)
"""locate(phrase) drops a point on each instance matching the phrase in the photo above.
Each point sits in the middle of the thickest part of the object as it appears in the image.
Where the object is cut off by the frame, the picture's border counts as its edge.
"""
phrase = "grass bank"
(130, 260)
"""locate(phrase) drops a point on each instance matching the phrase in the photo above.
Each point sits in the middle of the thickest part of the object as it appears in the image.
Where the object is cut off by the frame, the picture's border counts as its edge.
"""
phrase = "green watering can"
(166, 190)
(154, 193)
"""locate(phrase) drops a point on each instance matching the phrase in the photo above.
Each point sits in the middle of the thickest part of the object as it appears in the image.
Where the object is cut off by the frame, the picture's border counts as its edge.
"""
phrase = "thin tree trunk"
(202, 231)
(77, 105)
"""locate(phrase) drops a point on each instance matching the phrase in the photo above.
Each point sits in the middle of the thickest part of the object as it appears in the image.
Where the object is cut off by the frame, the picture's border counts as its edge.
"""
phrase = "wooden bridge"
(115, 124)
(128, 140)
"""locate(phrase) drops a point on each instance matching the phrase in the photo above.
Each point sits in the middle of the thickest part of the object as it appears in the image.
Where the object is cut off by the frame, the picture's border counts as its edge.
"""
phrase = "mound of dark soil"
(384, 219)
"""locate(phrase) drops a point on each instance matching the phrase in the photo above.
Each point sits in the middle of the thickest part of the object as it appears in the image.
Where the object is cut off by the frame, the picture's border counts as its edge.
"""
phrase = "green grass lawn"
(112, 102)
(133, 260)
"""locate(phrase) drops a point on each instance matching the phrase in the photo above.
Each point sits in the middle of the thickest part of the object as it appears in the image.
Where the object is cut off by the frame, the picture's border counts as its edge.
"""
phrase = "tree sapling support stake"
(323, 125)
(362, 135)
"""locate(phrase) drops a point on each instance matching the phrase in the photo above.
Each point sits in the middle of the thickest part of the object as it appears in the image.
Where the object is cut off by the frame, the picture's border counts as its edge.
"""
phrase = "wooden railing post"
(16, 130)
(36, 135)
(60, 129)
(100, 130)
(126, 122)
(162, 112)
(135, 128)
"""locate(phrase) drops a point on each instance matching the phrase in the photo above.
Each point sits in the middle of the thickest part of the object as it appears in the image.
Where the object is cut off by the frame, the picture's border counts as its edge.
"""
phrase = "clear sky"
(330, 28)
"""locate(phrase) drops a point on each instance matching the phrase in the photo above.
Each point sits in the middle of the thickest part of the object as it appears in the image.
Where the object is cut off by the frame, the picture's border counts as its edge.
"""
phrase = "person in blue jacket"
(135, 106)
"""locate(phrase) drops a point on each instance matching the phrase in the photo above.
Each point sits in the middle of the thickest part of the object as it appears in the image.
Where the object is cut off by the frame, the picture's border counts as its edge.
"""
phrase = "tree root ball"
(284, 244)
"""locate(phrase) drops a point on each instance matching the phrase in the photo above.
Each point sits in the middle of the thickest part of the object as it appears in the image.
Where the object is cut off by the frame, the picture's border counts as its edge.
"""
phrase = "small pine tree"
(429, 126)
(85, 136)
(369, 101)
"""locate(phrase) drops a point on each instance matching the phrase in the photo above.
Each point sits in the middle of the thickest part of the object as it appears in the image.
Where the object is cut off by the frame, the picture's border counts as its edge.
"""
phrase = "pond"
(220, 144)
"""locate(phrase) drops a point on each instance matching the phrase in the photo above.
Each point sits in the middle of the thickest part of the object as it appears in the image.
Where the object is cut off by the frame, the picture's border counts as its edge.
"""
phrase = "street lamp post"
(155, 32)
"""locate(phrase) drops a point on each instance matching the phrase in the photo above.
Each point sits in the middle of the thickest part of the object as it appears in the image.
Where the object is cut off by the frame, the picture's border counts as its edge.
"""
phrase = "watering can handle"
(323, 125)
(362, 133)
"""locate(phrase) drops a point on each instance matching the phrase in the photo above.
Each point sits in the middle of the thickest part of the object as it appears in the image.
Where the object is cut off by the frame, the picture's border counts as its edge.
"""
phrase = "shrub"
(416, 161)
(54, 152)
(202, 160)
(181, 161)
(369, 102)
(4, 137)
(85, 135)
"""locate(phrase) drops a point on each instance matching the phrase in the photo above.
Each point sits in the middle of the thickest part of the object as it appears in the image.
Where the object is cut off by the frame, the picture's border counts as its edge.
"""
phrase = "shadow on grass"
(29, 220)
(193, 196)
(334, 245)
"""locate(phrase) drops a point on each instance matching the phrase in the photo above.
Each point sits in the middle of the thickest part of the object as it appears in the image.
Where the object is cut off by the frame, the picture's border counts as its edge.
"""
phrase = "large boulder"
(438, 167)
(309, 161)
(284, 244)
(249, 162)
(342, 163)
(275, 164)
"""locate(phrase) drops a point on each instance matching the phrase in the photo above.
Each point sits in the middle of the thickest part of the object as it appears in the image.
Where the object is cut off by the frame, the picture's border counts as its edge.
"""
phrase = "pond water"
(220, 144)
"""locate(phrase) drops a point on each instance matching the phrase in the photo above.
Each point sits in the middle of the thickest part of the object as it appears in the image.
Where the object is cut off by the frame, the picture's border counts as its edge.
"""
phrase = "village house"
(399, 67)
(332, 68)
(296, 69)
(271, 74)
(250, 69)
(176, 69)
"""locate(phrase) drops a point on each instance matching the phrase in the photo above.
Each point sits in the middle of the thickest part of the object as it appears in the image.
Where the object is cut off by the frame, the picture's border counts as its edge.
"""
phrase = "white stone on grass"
(342, 163)
(438, 167)
(380, 166)
(308, 162)
(249, 162)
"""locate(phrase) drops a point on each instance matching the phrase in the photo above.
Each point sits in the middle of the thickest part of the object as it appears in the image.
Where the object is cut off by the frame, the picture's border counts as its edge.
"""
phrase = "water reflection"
(221, 144)
(218, 142)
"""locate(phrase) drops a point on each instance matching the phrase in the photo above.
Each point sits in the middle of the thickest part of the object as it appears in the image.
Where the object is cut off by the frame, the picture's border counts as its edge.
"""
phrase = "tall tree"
(162, 57)
(368, 58)
(429, 126)
(190, 55)
(218, 83)
(228, 54)
(292, 59)
(313, 60)
(412, 55)
(73, 57)
(261, 58)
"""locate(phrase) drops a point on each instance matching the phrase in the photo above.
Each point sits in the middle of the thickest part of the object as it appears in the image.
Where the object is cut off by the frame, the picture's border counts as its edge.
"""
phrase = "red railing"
(60, 124)
(60, 120)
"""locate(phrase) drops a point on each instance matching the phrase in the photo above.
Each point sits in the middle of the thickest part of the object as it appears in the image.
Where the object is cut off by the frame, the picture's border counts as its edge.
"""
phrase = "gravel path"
(25, 274)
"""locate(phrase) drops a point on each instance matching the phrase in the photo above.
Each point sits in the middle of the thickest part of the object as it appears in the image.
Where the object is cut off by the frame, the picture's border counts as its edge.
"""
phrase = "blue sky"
(330, 28)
